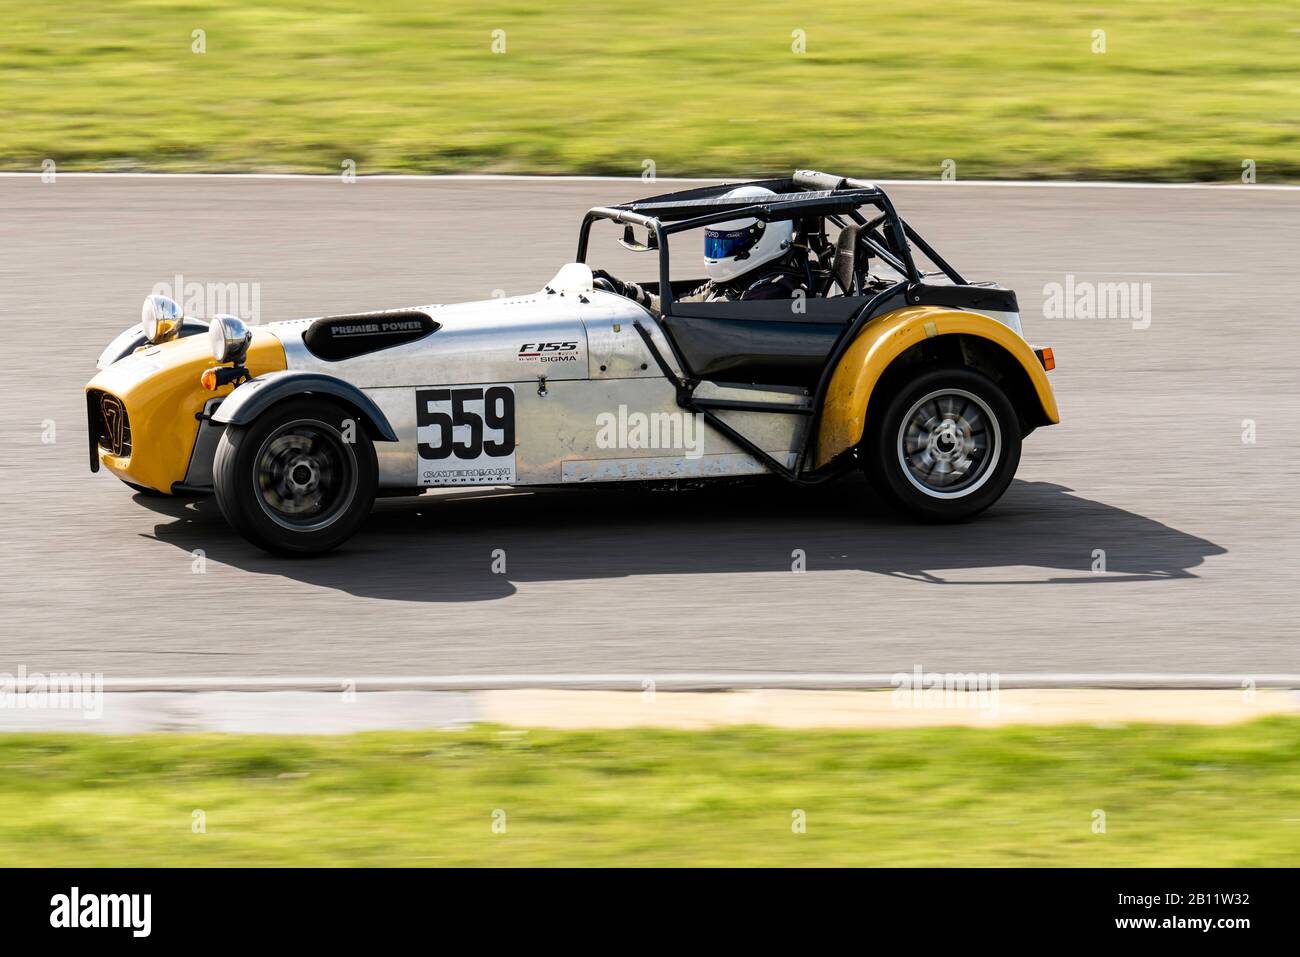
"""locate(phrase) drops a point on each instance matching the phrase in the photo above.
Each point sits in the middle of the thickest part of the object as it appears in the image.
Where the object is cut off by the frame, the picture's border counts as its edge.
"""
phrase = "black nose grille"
(109, 424)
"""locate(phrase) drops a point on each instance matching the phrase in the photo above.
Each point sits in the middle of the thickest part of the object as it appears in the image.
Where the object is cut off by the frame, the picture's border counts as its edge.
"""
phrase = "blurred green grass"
(1186, 90)
(1172, 795)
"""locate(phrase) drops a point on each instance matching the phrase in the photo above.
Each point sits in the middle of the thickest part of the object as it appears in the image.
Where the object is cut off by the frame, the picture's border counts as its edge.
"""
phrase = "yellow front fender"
(885, 338)
(159, 388)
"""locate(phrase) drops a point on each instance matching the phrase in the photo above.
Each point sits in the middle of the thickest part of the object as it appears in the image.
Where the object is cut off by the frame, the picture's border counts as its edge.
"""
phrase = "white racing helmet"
(733, 248)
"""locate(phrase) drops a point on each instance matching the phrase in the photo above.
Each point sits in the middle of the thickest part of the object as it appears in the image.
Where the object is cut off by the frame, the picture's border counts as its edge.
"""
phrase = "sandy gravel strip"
(876, 709)
(320, 712)
(696, 681)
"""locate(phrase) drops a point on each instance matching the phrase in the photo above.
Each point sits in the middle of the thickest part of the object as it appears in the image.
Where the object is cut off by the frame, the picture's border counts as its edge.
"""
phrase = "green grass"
(1172, 795)
(1185, 90)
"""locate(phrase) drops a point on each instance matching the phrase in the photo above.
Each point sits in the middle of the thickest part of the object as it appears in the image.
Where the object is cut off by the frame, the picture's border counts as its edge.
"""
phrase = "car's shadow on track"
(443, 547)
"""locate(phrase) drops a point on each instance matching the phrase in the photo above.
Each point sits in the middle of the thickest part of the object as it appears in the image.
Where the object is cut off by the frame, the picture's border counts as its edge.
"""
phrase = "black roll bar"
(834, 195)
(617, 215)
(933, 256)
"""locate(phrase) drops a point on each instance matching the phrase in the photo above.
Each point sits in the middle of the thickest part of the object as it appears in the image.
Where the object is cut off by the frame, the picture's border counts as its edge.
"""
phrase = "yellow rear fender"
(916, 335)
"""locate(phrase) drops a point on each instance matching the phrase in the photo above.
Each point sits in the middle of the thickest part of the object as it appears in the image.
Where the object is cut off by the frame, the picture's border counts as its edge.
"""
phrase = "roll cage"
(807, 196)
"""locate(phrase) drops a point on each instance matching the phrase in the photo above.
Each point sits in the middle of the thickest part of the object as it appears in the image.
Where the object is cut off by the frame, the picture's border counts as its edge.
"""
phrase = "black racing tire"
(290, 482)
(944, 445)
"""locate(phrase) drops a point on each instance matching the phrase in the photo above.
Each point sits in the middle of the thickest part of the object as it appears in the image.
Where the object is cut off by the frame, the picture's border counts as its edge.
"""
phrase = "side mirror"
(629, 240)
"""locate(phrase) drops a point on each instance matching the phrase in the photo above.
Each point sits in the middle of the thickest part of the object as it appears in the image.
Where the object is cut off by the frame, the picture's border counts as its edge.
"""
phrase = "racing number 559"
(491, 431)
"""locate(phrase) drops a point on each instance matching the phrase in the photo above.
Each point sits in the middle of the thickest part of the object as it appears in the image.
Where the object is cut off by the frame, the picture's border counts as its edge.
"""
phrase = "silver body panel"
(1009, 319)
(571, 362)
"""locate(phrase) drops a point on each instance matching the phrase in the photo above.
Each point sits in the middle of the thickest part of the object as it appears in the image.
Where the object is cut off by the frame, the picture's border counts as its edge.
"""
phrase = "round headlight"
(229, 338)
(160, 318)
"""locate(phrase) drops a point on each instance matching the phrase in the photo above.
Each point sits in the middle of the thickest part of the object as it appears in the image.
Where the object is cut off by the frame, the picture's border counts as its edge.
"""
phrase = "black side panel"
(345, 337)
(764, 342)
(836, 311)
(995, 298)
(759, 351)
(759, 341)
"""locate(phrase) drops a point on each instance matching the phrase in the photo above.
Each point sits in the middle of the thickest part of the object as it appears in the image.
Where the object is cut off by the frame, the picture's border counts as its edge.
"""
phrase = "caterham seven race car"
(852, 358)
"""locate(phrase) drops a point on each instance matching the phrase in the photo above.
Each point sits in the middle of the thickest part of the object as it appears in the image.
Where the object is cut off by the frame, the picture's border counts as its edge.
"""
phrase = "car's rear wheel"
(299, 480)
(945, 446)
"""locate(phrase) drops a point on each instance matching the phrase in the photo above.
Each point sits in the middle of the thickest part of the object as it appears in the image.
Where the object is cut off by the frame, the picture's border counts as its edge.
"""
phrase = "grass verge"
(1185, 90)
(1171, 795)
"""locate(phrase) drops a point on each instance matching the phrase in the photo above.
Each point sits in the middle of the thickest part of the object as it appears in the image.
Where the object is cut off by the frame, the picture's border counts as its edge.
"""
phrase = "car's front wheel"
(298, 480)
(945, 446)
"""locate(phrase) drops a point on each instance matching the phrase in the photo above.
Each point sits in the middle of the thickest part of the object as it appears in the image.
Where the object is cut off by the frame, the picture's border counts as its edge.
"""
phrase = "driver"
(745, 259)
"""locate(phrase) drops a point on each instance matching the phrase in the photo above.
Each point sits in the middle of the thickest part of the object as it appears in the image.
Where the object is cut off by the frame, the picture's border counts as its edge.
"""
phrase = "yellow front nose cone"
(161, 394)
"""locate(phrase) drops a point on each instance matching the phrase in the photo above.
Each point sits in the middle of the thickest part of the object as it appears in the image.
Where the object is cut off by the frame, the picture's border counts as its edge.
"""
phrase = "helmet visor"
(728, 243)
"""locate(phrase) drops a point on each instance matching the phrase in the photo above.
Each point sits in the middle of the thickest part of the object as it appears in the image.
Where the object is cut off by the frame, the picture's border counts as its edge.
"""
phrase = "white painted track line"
(692, 681)
(523, 178)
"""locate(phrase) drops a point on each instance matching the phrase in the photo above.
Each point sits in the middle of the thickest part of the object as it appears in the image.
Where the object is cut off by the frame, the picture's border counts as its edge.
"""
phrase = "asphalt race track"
(1200, 529)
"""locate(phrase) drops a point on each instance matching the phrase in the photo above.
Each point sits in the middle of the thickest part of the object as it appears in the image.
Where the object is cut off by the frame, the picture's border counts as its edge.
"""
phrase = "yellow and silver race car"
(844, 355)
